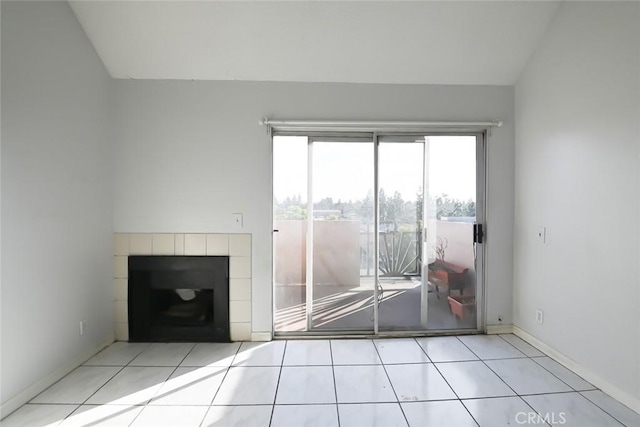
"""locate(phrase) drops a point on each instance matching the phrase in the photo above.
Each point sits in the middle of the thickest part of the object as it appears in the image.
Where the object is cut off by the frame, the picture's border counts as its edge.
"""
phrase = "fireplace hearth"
(179, 298)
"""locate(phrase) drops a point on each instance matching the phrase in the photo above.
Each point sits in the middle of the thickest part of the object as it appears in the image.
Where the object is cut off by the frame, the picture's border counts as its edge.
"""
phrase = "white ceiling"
(452, 42)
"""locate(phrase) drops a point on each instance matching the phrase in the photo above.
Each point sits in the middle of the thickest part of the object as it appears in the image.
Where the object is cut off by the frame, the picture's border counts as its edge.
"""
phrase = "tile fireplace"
(237, 247)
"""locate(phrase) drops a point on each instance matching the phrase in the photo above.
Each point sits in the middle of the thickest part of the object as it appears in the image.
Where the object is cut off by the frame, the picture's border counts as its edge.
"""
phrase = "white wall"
(56, 195)
(1, 395)
(577, 173)
(188, 154)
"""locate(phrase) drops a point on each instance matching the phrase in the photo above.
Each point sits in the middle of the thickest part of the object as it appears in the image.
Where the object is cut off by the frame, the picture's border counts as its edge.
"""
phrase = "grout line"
(144, 405)
(228, 368)
(105, 383)
(306, 366)
(193, 345)
(137, 354)
(112, 377)
(452, 389)
(175, 405)
(335, 387)
(516, 393)
(486, 358)
(239, 404)
(204, 417)
(391, 384)
(163, 383)
(554, 375)
(485, 363)
(226, 373)
(89, 366)
(511, 395)
(569, 385)
(174, 370)
(446, 381)
(236, 353)
(275, 396)
(601, 408)
(285, 404)
(549, 393)
(424, 351)
(513, 345)
(488, 367)
(89, 397)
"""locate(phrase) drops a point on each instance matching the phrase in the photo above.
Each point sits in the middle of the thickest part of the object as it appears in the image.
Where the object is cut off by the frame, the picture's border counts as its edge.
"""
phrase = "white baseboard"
(33, 390)
(261, 336)
(499, 329)
(613, 391)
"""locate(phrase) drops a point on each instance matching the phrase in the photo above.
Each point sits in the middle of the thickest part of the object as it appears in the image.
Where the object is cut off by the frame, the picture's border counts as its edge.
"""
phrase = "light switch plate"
(541, 233)
(237, 220)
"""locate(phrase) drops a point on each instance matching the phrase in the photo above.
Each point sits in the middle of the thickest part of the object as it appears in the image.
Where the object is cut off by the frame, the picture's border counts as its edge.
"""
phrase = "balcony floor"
(343, 308)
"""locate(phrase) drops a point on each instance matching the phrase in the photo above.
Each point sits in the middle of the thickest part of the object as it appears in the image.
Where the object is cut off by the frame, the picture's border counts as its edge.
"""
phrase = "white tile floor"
(482, 381)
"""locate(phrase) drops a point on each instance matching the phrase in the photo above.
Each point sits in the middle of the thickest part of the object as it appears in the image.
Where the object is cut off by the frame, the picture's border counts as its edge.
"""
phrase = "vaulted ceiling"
(429, 42)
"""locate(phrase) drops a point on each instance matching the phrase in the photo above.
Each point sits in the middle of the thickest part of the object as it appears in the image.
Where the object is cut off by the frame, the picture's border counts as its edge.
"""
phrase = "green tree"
(291, 212)
(324, 204)
(448, 207)
(364, 209)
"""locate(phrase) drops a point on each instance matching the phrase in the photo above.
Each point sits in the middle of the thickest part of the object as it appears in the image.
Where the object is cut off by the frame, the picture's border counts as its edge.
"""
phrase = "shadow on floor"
(351, 308)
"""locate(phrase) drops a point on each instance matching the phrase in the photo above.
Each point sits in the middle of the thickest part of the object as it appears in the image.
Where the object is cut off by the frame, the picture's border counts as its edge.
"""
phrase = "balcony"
(343, 276)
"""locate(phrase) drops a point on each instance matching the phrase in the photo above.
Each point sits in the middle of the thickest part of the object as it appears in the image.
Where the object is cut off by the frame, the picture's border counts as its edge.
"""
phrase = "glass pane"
(342, 188)
(290, 218)
(401, 178)
(451, 213)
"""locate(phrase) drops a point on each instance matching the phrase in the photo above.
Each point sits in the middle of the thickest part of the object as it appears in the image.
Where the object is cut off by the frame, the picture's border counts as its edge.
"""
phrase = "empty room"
(320, 213)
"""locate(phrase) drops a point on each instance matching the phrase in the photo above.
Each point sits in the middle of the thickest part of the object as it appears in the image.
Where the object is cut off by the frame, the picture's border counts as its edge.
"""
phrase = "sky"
(344, 171)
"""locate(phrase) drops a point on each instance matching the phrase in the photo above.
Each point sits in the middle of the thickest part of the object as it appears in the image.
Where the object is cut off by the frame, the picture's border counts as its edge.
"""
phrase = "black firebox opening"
(179, 298)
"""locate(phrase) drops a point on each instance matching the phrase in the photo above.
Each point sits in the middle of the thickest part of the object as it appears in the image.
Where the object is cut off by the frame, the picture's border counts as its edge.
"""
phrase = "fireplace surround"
(237, 246)
(178, 298)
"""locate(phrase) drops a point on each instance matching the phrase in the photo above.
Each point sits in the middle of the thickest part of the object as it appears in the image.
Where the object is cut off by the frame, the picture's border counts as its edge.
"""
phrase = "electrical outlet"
(500, 319)
(539, 316)
(83, 327)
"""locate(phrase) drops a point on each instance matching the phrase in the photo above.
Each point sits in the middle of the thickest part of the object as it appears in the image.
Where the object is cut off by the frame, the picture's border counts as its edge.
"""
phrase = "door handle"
(478, 233)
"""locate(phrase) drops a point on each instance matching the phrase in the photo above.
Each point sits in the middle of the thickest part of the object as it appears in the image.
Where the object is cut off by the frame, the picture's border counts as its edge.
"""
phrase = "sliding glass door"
(454, 213)
(402, 290)
(429, 193)
(290, 208)
(323, 243)
(342, 194)
(377, 233)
